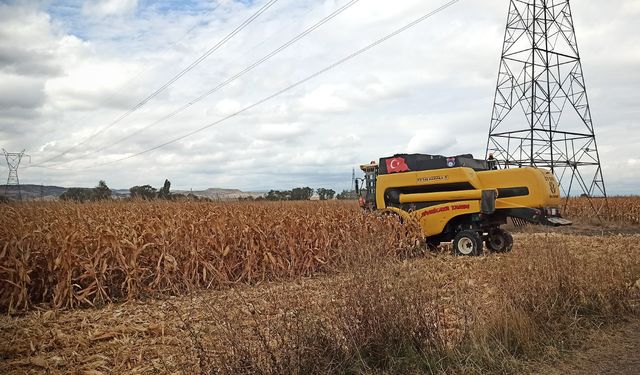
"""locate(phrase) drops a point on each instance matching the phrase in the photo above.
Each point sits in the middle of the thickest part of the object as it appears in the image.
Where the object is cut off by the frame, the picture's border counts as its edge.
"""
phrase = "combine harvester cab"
(461, 199)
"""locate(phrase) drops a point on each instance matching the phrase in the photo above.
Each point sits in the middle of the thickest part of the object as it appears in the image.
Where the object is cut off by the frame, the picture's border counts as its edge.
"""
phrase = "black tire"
(499, 241)
(467, 243)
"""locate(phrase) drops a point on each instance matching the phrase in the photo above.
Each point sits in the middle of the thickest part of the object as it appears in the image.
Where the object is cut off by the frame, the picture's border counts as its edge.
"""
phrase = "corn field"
(67, 255)
(615, 210)
(456, 310)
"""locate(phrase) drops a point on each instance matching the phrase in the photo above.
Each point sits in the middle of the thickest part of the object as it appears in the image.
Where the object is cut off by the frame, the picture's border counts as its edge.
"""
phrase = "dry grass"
(370, 309)
(70, 255)
(615, 210)
(440, 314)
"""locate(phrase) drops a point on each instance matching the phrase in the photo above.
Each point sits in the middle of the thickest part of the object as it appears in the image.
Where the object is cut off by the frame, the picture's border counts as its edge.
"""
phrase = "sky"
(70, 69)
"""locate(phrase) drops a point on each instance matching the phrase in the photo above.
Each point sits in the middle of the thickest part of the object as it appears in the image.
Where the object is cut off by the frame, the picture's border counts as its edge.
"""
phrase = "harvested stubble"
(69, 255)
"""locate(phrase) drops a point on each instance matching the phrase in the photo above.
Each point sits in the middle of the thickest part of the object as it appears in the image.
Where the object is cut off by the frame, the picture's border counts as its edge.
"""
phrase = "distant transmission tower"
(13, 162)
(353, 179)
(541, 77)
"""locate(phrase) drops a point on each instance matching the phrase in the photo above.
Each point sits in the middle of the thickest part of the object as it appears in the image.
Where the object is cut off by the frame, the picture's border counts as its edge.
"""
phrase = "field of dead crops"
(615, 210)
(224, 288)
(67, 255)
(431, 314)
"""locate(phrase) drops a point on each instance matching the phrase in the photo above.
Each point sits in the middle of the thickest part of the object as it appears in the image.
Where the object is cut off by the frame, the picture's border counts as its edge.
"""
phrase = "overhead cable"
(288, 88)
(168, 83)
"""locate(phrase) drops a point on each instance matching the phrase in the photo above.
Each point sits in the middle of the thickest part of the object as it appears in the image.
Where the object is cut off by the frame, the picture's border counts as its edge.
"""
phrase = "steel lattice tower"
(541, 77)
(13, 162)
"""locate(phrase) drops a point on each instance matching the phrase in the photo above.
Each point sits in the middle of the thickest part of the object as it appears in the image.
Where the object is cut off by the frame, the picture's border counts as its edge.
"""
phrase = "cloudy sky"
(70, 70)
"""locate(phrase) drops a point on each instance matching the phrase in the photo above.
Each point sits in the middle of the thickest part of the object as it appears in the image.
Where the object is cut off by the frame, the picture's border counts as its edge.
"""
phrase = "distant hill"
(31, 192)
(218, 193)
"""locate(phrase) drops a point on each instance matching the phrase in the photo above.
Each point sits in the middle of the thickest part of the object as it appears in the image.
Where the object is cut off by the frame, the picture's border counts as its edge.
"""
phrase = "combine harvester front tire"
(499, 241)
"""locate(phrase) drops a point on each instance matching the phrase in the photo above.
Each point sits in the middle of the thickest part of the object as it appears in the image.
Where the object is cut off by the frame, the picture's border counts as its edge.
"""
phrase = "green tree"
(143, 192)
(271, 195)
(78, 195)
(102, 191)
(301, 194)
(163, 192)
(325, 194)
(308, 193)
(277, 195)
(347, 194)
(330, 193)
(284, 195)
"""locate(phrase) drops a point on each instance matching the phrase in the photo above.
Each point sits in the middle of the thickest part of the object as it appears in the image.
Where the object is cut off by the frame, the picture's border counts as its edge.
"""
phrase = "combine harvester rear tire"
(467, 242)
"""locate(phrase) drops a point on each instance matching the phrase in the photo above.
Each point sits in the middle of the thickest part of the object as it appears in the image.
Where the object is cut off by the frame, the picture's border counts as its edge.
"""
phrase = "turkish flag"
(397, 165)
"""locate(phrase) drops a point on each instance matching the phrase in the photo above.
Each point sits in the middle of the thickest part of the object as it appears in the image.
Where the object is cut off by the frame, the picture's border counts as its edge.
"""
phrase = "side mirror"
(357, 188)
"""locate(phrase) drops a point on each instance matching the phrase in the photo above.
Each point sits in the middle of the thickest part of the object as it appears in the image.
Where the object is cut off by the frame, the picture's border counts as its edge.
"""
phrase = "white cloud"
(68, 70)
(102, 8)
(226, 107)
(362, 90)
(20, 91)
(94, 83)
(324, 99)
(28, 41)
(279, 132)
(431, 142)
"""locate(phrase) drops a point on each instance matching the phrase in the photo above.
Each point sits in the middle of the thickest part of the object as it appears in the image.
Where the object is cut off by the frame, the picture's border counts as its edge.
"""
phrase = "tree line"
(305, 193)
(98, 193)
(102, 192)
(148, 192)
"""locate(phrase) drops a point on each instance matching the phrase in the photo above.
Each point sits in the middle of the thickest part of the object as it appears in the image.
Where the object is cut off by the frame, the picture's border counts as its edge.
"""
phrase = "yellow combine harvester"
(461, 199)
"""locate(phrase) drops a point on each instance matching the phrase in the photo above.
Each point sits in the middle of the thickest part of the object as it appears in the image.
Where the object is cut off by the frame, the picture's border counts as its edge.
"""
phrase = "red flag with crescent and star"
(396, 165)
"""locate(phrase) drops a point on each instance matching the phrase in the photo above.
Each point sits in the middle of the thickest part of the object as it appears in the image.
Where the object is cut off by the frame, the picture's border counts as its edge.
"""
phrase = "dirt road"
(607, 352)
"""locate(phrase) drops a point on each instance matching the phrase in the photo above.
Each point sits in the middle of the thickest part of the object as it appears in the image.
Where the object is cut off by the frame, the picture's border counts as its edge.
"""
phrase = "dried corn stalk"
(70, 255)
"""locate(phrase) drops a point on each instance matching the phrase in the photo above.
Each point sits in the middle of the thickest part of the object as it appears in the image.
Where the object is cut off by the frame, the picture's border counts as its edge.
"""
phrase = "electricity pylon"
(541, 77)
(13, 162)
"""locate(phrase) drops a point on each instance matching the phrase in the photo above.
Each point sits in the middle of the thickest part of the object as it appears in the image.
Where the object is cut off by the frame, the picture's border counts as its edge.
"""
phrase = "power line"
(239, 74)
(170, 81)
(230, 79)
(137, 75)
(288, 88)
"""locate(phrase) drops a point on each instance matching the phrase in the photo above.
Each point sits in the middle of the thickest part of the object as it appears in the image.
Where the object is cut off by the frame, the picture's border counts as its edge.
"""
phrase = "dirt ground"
(611, 351)
(580, 228)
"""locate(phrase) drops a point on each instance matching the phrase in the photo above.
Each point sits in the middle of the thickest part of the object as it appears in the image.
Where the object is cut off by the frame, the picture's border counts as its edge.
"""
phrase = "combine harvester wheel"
(499, 241)
(467, 242)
